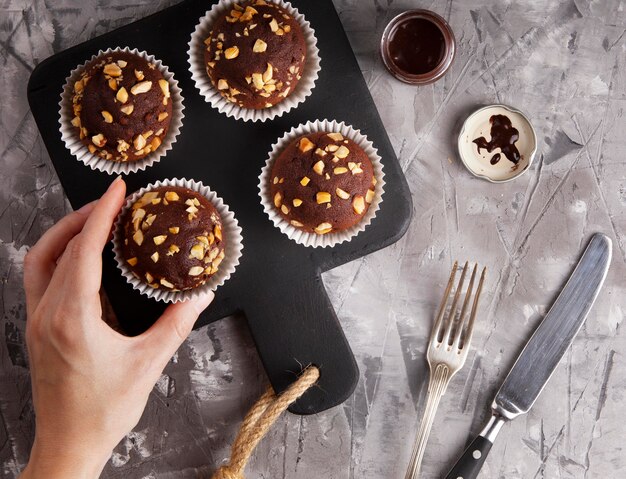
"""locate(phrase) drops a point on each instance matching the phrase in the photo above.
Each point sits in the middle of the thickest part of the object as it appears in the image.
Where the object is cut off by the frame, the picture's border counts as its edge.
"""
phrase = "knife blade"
(541, 355)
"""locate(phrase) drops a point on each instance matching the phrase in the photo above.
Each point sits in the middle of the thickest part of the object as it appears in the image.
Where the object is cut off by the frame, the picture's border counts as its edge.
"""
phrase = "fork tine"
(470, 326)
(452, 312)
(468, 296)
(444, 301)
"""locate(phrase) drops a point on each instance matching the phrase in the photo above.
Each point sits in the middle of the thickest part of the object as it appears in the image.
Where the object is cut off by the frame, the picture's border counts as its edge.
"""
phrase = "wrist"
(60, 462)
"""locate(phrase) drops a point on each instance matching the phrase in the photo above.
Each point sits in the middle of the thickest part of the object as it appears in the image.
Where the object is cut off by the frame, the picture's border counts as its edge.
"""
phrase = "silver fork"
(447, 351)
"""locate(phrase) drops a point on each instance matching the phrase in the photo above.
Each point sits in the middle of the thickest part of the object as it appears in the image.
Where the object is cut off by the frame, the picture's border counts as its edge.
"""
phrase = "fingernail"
(114, 182)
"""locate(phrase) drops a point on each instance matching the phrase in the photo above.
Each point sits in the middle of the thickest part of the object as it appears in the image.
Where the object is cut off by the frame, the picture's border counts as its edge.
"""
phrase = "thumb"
(166, 335)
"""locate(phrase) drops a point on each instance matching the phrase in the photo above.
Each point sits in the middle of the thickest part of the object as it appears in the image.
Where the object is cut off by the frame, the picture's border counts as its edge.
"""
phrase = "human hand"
(90, 383)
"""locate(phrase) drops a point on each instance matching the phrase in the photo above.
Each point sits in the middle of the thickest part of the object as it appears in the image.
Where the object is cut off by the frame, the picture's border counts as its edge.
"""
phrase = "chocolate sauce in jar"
(417, 46)
(503, 136)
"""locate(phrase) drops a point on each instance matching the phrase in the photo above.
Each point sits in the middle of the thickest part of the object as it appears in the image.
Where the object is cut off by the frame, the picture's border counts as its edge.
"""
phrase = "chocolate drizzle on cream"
(503, 136)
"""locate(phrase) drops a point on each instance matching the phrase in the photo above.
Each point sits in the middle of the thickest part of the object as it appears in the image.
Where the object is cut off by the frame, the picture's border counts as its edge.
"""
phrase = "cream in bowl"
(497, 143)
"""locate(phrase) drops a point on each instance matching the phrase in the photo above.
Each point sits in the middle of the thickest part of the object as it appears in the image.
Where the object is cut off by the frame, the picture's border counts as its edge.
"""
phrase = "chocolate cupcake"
(122, 107)
(176, 239)
(255, 53)
(254, 60)
(322, 183)
(173, 238)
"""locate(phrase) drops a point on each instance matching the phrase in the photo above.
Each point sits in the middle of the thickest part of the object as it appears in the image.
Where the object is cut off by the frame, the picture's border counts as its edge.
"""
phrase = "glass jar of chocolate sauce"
(418, 47)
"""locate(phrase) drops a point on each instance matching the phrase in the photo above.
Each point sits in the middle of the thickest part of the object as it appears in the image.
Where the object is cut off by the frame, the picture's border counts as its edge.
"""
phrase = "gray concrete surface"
(563, 63)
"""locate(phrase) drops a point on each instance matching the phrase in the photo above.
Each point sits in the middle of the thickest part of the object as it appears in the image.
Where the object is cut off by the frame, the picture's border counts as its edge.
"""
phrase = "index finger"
(86, 259)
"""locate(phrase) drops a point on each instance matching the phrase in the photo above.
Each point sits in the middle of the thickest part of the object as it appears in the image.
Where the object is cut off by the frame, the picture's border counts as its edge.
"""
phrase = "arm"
(90, 383)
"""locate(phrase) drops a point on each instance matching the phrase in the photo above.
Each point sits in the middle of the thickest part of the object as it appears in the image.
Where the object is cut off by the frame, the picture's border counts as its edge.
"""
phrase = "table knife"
(542, 353)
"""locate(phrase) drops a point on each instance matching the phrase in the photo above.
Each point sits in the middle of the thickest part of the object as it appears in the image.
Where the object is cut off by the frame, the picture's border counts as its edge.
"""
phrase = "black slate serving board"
(277, 285)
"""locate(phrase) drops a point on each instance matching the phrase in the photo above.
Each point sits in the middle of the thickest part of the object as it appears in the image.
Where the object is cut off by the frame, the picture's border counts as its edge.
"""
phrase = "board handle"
(286, 345)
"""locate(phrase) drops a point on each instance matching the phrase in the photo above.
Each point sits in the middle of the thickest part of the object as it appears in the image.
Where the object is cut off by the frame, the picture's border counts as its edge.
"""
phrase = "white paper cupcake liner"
(333, 238)
(232, 248)
(70, 136)
(197, 67)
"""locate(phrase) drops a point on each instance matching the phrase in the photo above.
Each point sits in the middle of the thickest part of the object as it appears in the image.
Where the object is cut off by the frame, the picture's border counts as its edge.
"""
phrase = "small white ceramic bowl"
(479, 162)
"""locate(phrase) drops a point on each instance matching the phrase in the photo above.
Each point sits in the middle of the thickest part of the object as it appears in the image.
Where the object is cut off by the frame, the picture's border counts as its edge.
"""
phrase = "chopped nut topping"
(159, 239)
(141, 87)
(108, 118)
(305, 145)
(247, 15)
(335, 136)
(112, 69)
(323, 228)
(268, 73)
(165, 87)
(196, 271)
(155, 143)
(369, 196)
(284, 209)
(297, 202)
(342, 152)
(232, 52)
(297, 224)
(319, 167)
(122, 95)
(139, 142)
(332, 148)
(171, 196)
(166, 283)
(305, 180)
(358, 204)
(149, 278)
(274, 25)
(172, 249)
(278, 198)
(259, 46)
(322, 197)
(222, 84)
(139, 75)
(257, 81)
(374, 181)
(340, 170)
(275, 181)
(132, 261)
(148, 221)
(127, 110)
(112, 84)
(320, 152)
(122, 63)
(344, 195)
(217, 231)
(197, 251)
(76, 121)
(155, 257)
(138, 237)
(99, 140)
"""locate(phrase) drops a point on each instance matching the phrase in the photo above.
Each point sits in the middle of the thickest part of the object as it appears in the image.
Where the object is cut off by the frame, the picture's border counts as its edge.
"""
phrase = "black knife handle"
(472, 460)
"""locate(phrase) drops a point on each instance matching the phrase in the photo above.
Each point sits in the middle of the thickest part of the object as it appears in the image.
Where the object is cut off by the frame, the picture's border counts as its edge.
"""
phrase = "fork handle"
(436, 387)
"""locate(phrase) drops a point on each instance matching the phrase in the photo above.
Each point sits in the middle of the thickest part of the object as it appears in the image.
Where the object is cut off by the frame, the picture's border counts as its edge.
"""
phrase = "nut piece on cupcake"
(322, 183)
(255, 54)
(122, 107)
(173, 238)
